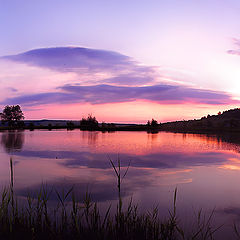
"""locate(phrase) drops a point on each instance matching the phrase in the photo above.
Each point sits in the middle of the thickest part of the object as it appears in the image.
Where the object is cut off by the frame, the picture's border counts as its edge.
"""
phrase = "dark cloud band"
(100, 94)
(127, 84)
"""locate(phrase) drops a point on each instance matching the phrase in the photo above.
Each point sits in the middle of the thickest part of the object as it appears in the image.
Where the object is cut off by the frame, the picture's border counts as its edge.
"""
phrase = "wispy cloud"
(97, 77)
(130, 79)
(100, 94)
(235, 51)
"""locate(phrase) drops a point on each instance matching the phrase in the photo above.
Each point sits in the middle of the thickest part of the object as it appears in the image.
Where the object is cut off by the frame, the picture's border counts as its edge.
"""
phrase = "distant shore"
(228, 121)
(112, 127)
(179, 127)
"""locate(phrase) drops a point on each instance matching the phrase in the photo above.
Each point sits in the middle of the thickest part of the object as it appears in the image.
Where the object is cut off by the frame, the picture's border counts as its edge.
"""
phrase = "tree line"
(13, 116)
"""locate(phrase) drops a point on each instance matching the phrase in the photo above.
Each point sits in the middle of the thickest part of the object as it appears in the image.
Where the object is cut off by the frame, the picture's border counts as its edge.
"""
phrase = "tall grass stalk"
(36, 218)
(117, 170)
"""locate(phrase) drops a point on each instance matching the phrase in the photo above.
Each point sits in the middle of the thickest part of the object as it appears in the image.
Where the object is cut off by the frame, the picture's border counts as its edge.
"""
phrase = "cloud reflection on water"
(63, 159)
(158, 160)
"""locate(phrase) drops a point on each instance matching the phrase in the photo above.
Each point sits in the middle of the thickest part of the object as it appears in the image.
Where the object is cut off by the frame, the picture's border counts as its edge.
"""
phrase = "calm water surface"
(205, 169)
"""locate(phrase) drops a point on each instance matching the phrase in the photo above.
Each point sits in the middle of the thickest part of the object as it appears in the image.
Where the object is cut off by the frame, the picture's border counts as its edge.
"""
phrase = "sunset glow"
(162, 60)
(119, 119)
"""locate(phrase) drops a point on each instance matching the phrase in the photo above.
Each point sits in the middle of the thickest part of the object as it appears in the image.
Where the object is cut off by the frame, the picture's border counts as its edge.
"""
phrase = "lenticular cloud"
(119, 79)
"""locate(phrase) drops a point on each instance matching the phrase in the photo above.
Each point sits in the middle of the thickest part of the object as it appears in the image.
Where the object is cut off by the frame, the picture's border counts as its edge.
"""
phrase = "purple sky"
(129, 60)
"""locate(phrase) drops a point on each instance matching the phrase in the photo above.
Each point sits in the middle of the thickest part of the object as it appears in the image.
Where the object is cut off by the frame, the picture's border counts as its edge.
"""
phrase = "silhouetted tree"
(90, 122)
(154, 123)
(209, 123)
(233, 123)
(70, 125)
(31, 126)
(104, 125)
(12, 115)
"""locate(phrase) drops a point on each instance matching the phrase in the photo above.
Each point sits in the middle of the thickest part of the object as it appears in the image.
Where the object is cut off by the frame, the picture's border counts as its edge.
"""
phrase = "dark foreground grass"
(36, 218)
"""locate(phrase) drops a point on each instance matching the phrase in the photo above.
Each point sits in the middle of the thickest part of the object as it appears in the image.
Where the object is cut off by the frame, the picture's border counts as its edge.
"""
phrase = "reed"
(36, 219)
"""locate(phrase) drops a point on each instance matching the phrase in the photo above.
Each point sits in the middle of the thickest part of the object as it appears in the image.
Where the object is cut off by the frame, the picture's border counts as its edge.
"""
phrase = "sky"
(122, 61)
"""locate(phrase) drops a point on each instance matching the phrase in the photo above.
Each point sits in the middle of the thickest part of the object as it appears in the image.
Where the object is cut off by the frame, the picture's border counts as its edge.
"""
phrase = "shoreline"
(140, 128)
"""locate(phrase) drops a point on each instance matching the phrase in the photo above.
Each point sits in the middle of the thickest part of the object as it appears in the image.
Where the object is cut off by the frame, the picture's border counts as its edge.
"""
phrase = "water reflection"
(12, 141)
(152, 137)
(100, 192)
(91, 136)
(205, 168)
(233, 211)
(160, 160)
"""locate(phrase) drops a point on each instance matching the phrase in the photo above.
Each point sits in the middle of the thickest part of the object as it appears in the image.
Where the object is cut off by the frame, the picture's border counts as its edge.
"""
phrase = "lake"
(204, 168)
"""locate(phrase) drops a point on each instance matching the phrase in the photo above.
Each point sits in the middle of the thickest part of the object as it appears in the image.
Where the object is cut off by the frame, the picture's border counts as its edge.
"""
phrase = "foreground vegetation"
(70, 219)
(38, 217)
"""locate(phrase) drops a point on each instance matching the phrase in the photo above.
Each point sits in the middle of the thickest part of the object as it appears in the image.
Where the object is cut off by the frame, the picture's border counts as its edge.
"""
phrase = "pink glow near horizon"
(188, 45)
(19, 79)
(129, 112)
